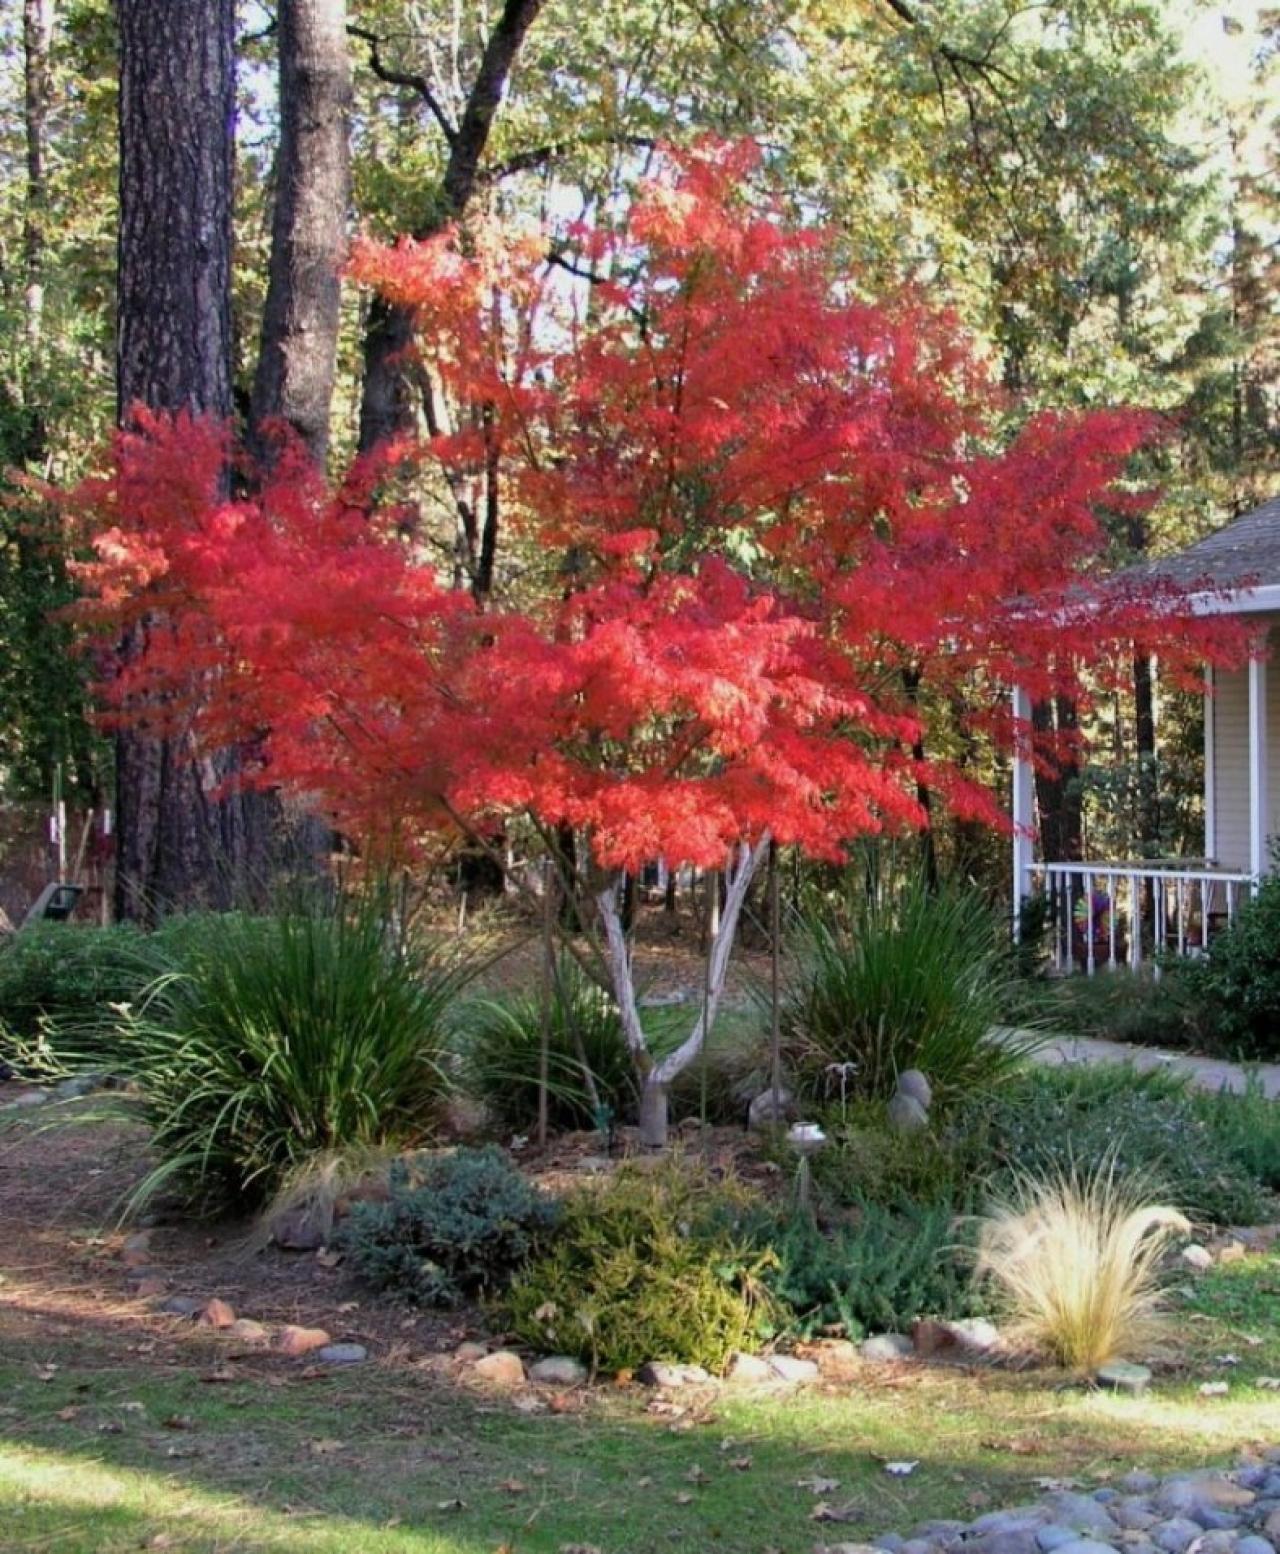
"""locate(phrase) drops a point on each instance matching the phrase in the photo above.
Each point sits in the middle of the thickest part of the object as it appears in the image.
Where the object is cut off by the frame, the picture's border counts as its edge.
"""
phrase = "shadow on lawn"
(123, 1430)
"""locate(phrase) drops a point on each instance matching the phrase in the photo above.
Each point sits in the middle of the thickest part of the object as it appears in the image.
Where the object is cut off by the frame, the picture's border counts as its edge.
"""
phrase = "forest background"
(1090, 184)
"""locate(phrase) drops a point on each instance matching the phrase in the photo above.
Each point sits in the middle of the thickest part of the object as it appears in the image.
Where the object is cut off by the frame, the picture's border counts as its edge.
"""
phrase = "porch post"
(1259, 798)
(1210, 768)
(1024, 796)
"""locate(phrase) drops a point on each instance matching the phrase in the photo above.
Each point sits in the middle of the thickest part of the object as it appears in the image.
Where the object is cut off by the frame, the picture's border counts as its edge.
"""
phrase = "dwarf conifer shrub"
(651, 1266)
(455, 1225)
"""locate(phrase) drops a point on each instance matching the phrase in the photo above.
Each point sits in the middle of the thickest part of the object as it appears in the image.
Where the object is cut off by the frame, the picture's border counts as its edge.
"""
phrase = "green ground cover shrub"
(1119, 1005)
(877, 1272)
(1153, 1126)
(66, 973)
(894, 978)
(280, 1038)
(650, 1266)
(455, 1225)
(1247, 1126)
(1235, 985)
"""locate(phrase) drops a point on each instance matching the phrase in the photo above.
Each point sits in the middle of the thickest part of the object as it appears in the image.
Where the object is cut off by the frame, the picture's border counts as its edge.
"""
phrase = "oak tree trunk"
(387, 404)
(298, 353)
(175, 845)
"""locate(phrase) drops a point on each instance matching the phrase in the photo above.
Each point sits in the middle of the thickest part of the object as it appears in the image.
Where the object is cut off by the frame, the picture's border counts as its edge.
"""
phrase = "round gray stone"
(885, 1348)
(1086, 1546)
(1124, 1376)
(1254, 1544)
(1054, 1536)
(1175, 1535)
(1139, 1482)
(559, 1370)
(342, 1354)
(913, 1083)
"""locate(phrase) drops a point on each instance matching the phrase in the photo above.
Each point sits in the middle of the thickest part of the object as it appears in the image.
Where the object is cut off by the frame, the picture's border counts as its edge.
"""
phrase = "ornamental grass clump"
(277, 1039)
(899, 976)
(1073, 1259)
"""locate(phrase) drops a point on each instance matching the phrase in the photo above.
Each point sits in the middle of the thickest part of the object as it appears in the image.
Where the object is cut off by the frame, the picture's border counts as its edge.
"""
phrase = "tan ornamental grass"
(1075, 1259)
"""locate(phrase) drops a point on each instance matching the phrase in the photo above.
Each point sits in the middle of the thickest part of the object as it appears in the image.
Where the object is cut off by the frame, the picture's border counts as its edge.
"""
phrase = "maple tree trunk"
(656, 1078)
(387, 405)
(175, 846)
(297, 357)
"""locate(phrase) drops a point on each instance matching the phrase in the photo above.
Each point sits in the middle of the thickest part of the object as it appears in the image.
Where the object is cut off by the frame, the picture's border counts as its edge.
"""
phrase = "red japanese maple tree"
(757, 501)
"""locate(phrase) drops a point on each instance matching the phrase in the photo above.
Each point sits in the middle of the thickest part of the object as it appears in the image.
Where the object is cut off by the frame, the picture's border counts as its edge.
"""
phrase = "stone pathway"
(1185, 1513)
(1206, 1073)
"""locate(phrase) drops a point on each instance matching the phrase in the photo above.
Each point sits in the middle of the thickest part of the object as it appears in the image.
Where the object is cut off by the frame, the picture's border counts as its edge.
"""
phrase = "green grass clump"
(652, 1266)
(454, 1225)
(894, 978)
(278, 1039)
(500, 1044)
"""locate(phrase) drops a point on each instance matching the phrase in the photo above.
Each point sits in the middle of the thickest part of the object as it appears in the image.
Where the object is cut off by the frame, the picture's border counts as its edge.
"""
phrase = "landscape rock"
(303, 1229)
(469, 1352)
(216, 1313)
(77, 1086)
(1133, 1513)
(1054, 1536)
(1175, 1535)
(504, 1368)
(558, 1370)
(181, 1306)
(762, 1114)
(148, 1289)
(919, 1546)
(884, 1348)
(1197, 1257)
(1011, 1540)
(1079, 1512)
(662, 1373)
(1271, 1527)
(1139, 1482)
(342, 1354)
(1085, 1546)
(297, 1341)
(913, 1083)
(966, 1338)
(1253, 1544)
(246, 1331)
(790, 1367)
(906, 1115)
(748, 1369)
(1124, 1376)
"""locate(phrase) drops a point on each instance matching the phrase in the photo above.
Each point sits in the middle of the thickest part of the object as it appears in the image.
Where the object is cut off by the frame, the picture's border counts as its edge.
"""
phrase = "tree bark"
(175, 845)
(387, 405)
(37, 48)
(297, 357)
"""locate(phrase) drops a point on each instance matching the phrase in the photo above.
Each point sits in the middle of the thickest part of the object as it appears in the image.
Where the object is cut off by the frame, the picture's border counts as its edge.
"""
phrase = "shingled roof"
(1245, 553)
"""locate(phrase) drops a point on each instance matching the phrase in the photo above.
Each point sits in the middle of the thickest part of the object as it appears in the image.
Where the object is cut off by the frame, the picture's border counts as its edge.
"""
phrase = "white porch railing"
(1112, 914)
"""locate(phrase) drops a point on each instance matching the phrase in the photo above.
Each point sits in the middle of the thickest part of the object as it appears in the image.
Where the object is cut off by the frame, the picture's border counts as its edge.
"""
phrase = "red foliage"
(772, 498)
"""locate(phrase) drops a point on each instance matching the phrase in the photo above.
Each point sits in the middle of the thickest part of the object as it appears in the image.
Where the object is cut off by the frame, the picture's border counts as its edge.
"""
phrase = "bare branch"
(410, 80)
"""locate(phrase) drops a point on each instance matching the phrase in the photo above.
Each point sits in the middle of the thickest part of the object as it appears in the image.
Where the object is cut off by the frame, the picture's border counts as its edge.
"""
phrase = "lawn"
(120, 1430)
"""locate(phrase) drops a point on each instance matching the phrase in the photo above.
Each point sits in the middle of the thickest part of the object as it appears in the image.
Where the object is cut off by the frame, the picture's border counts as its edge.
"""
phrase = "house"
(1105, 913)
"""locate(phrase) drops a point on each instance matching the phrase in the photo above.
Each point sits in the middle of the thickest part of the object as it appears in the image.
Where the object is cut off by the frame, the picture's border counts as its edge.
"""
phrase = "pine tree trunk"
(37, 48)
(175, 846)
(297, 357)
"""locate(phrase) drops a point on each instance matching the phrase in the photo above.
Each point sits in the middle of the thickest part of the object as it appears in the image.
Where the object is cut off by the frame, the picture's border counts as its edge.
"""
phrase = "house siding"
(1229, 711)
